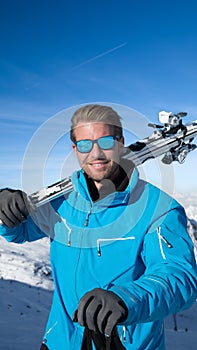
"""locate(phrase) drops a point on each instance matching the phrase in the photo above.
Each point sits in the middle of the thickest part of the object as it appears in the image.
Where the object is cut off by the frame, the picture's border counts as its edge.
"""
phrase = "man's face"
(98, 164)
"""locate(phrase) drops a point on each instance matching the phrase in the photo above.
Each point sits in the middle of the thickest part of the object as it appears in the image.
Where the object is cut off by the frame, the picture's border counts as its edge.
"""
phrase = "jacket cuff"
(130, 300)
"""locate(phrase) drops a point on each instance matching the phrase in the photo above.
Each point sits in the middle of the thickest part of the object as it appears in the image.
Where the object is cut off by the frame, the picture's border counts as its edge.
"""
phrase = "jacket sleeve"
(169, 283)
(38, 225)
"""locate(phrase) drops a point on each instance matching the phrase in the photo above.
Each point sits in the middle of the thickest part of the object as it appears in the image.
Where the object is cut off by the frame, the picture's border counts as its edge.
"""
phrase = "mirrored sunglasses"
(105, 143)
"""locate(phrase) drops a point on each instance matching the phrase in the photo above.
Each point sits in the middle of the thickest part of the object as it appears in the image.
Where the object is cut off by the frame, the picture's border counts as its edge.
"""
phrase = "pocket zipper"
(100, 240)
(161, 238)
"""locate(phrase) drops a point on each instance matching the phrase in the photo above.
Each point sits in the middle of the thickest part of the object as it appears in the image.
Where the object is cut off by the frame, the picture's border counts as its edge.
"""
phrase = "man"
(121, 256)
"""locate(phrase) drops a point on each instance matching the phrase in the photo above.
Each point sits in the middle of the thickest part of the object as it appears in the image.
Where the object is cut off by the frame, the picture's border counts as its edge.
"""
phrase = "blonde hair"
(96, 113)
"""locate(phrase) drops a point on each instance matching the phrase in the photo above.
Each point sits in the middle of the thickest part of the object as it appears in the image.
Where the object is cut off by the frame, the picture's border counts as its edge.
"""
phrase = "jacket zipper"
(70, 230)
(162, 239)
(87, 217)
(44, 341)
(126, 335)
(110, 240)
(85, 225)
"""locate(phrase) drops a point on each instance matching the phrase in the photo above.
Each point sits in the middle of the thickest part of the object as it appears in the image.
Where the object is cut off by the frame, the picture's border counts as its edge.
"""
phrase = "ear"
(122, 140)
(74, 148)
(121, 145)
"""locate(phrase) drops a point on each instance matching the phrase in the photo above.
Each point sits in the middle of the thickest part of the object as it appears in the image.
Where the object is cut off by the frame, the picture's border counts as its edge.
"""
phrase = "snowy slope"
(185, 337)
(26, 289)
(24, 310)
(28, 262)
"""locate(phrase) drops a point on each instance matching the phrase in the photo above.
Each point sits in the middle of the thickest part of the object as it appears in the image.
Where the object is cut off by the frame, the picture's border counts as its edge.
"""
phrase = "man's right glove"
(14, 207)
(100, 310)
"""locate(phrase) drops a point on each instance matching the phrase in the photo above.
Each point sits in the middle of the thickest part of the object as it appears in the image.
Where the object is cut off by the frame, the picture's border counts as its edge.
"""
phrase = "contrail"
(100, 55)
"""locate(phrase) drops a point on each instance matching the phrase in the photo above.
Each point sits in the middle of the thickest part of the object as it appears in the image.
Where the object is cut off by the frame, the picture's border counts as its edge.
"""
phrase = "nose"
(96, 151)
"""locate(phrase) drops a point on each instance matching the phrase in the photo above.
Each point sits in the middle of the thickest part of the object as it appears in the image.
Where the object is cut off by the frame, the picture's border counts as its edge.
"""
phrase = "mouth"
(98, 164)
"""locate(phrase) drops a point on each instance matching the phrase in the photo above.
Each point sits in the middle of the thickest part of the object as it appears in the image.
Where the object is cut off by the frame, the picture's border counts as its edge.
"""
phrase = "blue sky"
(60, 54)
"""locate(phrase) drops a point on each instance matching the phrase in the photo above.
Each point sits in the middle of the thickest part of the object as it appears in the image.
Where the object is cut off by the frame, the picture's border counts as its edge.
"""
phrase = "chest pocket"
(117, 261)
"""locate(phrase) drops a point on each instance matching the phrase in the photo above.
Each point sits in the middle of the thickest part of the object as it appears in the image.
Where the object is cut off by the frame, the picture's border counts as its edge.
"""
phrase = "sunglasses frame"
(115, 138)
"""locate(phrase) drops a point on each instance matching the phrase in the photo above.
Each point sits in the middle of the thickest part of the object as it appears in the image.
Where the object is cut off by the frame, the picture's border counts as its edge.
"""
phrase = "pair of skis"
(171, 138)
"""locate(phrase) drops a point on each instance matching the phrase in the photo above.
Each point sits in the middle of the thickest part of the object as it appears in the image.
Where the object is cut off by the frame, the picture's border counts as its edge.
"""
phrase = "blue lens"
(106, 142)
(84, 146)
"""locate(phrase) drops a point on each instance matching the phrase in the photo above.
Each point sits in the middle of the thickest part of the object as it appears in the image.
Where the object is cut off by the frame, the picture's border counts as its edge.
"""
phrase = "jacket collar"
(80, 186)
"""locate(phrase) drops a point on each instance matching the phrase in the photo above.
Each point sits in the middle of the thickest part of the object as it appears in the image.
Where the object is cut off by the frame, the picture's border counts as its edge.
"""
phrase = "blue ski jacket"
(134, 243)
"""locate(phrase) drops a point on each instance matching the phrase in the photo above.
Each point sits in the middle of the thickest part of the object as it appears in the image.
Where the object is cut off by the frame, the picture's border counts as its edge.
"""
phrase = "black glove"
(100, 310)
(14, 207)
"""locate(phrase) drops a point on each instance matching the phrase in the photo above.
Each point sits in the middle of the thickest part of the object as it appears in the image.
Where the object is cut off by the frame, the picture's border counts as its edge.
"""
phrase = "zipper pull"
(98, 249)
(86, 221)
(169, 245)
(87, 217)
(124, 331)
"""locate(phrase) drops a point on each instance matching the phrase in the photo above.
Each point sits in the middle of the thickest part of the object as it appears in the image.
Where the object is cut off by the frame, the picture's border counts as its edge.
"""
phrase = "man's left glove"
(100, 310)
(14, 207)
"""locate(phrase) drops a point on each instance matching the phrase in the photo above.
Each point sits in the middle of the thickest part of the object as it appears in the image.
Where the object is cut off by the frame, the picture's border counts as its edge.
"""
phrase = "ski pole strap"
(44, 347)
(100, 341)
(114, 342)
(87, 340)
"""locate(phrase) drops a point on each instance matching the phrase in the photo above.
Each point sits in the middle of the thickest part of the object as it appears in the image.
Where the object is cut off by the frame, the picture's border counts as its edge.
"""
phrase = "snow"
(24, 311)
(185, 337)
(26, 290)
